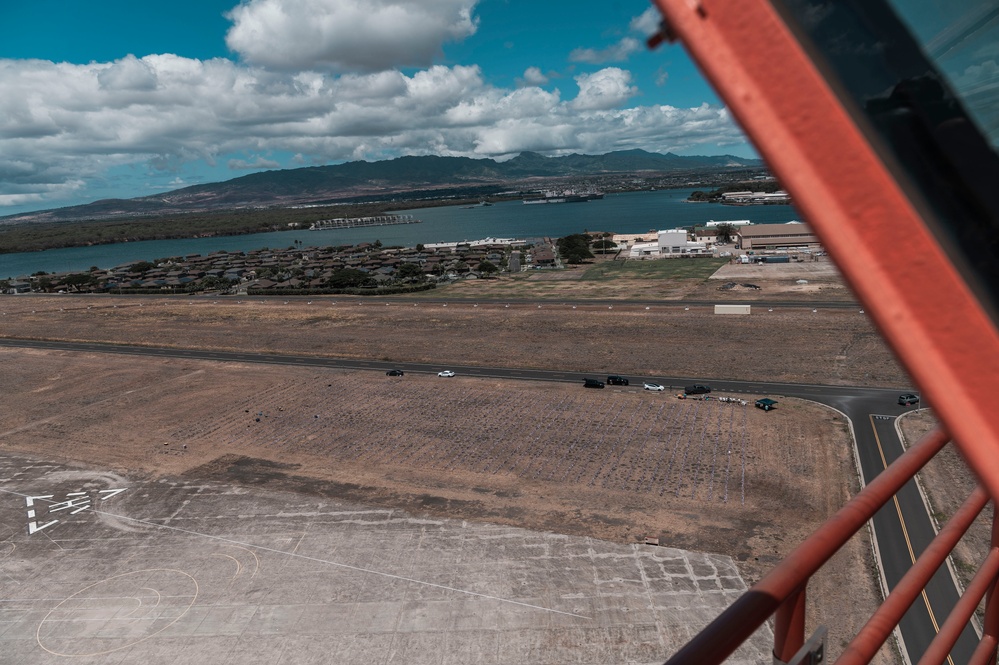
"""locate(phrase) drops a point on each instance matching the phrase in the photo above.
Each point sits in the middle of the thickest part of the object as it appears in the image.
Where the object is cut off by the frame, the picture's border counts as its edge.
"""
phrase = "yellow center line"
(905, 534)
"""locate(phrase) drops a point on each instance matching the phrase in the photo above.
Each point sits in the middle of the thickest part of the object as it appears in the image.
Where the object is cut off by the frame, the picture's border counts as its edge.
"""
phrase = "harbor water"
(632, 212)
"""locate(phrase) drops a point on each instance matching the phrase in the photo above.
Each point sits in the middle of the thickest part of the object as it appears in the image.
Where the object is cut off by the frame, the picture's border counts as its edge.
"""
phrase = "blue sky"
(116, 99)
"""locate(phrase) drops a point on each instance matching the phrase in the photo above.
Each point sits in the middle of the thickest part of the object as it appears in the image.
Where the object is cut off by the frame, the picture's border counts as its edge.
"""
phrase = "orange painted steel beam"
(959, 617)
(990, 627)
(872, 226)
(875, 632)
(741, 619)
(789, 626)
(985, 654)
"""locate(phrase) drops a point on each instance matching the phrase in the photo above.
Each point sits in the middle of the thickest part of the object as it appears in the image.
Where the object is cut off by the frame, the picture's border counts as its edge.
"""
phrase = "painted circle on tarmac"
(117, 612)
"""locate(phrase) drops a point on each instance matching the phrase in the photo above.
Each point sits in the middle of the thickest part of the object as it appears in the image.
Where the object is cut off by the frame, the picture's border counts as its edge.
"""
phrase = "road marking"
(905, 534)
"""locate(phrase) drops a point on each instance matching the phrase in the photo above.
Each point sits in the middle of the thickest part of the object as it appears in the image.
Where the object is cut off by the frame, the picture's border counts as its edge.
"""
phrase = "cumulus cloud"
(129, 73)
(165, 111)
(347, 35)
(617, 53)
(604, 89)
(533, 76)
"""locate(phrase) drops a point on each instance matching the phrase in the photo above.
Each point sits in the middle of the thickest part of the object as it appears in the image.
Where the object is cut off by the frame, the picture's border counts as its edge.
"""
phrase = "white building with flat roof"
(735, 222)
(669, 244)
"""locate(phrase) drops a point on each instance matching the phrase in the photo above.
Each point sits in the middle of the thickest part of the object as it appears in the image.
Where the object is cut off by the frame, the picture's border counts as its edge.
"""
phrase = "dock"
(354, 222)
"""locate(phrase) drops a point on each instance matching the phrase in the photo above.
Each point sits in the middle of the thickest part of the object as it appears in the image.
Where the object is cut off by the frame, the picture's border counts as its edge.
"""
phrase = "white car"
(655, 386)
(446, 373)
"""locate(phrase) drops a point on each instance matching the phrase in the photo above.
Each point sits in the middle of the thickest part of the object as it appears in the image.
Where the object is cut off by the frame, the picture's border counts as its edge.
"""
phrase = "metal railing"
(883, 232)
(782, 593)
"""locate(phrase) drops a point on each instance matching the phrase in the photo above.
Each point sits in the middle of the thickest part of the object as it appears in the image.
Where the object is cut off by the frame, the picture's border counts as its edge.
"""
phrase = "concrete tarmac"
(98, 568)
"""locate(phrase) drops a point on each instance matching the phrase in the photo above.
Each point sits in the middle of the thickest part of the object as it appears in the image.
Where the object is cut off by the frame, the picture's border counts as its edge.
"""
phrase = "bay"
(631, 212)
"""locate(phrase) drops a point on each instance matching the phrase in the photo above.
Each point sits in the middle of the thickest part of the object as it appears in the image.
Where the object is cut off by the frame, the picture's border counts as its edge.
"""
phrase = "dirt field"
(614, 464)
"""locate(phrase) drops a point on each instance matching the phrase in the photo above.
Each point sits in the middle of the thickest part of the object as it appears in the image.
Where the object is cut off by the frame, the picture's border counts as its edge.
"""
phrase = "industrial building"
(671, 243)
(793, 235)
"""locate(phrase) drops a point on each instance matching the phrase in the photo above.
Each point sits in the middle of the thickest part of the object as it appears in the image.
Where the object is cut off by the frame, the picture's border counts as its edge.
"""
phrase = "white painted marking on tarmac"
(34, 528)
(342, 565)
(76, 502)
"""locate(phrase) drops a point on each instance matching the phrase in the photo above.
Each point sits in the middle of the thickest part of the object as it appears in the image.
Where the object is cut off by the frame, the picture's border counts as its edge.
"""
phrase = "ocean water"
(632, 212)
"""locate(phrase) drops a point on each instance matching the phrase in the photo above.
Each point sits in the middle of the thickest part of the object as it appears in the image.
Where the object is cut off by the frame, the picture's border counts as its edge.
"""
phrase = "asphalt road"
(902, 527)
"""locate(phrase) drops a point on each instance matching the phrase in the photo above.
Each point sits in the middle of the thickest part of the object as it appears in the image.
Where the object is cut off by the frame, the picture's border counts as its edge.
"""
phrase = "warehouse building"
(793, 235)
(671, 243)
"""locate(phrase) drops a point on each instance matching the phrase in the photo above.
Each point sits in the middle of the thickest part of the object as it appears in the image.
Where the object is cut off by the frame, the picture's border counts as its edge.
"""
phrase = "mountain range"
(361, 180)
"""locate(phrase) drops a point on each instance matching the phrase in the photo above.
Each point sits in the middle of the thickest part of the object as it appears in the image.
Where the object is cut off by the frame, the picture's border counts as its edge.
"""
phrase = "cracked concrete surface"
(179, 572)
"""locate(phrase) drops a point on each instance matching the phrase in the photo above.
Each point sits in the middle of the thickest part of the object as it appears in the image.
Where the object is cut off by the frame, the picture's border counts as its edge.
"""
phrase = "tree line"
(36, 236)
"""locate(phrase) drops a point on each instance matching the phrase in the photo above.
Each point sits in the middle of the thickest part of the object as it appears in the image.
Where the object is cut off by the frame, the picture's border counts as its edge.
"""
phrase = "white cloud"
(533, 76)
(347, 35)
(63, 127)
(604, 89)
(648, 22)
(617, 53)
(129, 73)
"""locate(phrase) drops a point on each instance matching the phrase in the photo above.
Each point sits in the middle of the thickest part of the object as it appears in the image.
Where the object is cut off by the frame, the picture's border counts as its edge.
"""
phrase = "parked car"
(394, 372)
(696, 389)
(446, 373)
(592, 383)
(654, 386)
(907, 399)
(615, 380)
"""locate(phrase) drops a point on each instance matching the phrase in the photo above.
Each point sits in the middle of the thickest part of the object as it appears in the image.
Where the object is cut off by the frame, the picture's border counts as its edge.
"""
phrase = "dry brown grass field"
(614, 464)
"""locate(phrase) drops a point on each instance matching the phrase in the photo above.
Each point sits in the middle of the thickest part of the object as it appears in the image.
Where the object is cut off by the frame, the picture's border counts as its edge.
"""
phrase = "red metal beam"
(789, 626)
(867, 221)
(985, 654)
(990, 627)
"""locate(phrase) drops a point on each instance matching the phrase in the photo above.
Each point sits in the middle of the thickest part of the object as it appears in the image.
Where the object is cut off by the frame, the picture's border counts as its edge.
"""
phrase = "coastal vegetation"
(37, 236)
(574, 248)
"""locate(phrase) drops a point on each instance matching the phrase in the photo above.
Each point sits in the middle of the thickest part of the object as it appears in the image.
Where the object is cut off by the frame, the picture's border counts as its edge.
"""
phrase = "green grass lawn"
(660, 269)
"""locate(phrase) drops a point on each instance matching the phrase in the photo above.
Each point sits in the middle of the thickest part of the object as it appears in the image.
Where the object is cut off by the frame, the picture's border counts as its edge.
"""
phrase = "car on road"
(615, 380)
(394, 372)
(592, 383)
(908, 399)
(654, 387)
(446, 373)
(696, 389)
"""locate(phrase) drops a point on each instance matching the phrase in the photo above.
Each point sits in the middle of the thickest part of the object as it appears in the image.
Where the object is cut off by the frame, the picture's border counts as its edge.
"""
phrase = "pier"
(353, 222)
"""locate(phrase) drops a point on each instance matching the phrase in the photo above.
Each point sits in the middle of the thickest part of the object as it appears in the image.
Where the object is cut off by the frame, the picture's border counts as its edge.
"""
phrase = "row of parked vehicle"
(614, 380)
(447, 374)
